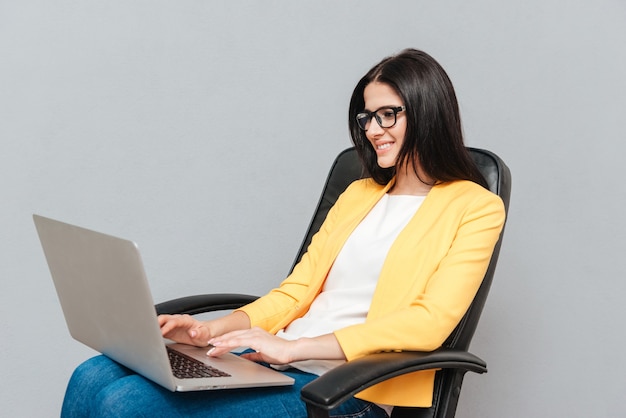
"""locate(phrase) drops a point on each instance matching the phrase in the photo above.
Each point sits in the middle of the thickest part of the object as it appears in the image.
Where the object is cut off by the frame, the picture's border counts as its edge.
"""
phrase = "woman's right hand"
(184, 329)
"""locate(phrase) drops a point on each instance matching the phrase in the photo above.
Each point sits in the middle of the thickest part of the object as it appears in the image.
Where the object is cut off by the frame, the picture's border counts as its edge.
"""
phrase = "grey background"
(204, 130)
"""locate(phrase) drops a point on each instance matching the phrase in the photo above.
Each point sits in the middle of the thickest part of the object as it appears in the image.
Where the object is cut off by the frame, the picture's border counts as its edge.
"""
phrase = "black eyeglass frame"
(367, 117)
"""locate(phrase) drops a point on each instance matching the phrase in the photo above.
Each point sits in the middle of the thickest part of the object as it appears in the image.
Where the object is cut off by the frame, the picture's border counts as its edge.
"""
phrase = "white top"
(347, 293)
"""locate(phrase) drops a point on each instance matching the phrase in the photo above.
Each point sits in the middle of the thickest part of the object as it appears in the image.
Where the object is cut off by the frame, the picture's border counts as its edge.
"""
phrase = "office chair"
(453, 359)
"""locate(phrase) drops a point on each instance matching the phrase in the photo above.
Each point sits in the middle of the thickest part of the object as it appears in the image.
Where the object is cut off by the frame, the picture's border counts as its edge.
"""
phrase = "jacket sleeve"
(438, 301)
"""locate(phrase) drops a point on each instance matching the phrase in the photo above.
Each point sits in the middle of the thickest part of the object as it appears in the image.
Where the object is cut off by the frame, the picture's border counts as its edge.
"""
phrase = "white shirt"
(347, 293)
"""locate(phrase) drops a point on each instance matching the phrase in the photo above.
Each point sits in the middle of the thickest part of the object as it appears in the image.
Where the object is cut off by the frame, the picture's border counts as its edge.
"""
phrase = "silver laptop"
(107, 304)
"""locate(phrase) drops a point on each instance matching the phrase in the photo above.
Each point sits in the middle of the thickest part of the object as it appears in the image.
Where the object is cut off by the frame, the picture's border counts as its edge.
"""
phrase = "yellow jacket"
(428, 280)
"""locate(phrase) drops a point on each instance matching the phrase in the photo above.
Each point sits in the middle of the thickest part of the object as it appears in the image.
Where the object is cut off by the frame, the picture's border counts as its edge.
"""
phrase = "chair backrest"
(498, 179)
(345, 169)
(348, 168)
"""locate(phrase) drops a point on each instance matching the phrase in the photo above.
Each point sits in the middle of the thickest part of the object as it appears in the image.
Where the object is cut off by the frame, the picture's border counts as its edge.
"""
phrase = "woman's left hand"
(269, 348)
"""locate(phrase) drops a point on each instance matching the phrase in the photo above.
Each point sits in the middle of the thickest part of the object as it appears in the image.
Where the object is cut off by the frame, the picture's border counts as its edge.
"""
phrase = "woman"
(395, 266)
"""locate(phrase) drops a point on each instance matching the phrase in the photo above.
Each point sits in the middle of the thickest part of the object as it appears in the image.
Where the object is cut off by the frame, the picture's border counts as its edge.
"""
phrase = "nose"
(374, 128)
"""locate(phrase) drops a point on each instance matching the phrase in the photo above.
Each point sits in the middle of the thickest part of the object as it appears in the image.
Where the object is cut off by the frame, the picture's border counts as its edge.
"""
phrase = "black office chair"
(343, 382)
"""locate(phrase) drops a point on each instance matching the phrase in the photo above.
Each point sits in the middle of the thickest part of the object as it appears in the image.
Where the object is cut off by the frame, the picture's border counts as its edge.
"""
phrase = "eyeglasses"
(385, 116)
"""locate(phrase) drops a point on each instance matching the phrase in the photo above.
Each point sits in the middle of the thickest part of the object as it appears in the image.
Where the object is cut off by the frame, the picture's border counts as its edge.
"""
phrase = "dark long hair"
(433, 136)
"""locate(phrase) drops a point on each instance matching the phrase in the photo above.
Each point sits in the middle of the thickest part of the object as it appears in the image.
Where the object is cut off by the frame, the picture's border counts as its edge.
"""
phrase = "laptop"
(107, 304)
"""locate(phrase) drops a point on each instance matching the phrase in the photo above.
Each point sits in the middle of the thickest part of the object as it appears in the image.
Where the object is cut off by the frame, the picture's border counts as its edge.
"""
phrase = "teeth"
(383, 146)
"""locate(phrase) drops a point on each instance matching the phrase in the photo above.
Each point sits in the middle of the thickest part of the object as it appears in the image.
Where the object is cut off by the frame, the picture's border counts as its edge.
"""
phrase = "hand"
(269, 348)
(184, 329)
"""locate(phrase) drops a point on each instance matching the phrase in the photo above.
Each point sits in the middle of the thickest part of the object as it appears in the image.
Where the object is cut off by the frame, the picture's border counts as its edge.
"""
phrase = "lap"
(101, 387)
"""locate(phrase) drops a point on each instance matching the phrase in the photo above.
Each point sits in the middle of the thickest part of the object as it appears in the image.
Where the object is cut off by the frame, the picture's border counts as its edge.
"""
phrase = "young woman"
(395, 266)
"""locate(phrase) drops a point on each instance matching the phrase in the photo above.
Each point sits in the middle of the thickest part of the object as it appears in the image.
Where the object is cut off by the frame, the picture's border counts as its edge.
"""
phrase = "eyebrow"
(381, 107)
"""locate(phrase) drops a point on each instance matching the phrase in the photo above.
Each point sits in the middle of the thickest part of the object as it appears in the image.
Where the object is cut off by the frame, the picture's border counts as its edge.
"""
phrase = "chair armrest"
(336, 386)
(204, 303)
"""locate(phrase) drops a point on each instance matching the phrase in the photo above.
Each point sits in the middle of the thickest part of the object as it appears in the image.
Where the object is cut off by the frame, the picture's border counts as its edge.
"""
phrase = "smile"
(383, 146)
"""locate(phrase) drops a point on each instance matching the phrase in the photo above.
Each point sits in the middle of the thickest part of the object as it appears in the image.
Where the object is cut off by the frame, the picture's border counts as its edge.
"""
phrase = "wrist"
(297, 348)
(324, 347)
(232, 322)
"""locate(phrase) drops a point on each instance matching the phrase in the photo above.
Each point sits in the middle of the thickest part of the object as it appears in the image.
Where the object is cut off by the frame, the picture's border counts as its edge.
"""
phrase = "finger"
(176, 324)
(216, 351)
(162, 319)
(221, 346)
(168, 326)
(232, 334)
(239, 338)
(199, 335)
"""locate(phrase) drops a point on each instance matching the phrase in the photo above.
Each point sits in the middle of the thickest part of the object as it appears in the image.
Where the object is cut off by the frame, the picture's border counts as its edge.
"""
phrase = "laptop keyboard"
(185, 367)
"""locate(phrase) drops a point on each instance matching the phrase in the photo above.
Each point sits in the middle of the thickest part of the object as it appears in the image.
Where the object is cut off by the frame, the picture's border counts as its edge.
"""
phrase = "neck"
(407, 182)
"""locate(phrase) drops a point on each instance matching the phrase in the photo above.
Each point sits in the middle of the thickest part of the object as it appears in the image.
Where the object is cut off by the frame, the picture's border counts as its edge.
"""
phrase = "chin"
(386, 163)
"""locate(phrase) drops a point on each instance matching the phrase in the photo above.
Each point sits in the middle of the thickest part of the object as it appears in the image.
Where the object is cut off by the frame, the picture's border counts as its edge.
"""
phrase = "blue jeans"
(101, 387)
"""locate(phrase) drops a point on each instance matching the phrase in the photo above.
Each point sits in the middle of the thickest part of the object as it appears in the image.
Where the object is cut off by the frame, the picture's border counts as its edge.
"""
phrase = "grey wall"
(204, 129)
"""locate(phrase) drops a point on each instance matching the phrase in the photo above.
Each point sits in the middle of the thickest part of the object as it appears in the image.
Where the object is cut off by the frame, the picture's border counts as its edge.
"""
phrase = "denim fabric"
(101, 387)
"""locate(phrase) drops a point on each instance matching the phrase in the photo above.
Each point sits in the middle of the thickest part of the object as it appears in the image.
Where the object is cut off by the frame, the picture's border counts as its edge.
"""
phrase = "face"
(387, 142)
